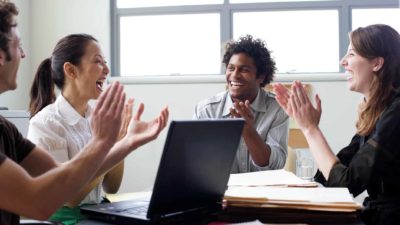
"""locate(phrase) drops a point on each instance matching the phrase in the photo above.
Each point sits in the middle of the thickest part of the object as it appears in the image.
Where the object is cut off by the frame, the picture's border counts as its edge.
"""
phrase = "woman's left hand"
(141, 132)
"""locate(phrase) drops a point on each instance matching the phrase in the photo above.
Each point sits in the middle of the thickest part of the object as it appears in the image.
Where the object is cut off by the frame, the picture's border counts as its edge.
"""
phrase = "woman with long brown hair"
(372, 160)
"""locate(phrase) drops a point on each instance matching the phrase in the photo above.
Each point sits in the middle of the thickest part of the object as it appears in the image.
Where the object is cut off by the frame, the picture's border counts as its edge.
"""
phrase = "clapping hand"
(106, 116)
(306, 115)
(243, 110)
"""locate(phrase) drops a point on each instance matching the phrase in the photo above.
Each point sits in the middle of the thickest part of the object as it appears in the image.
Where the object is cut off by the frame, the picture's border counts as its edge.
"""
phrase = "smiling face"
(359, 71)
(9, 68)
(92, 72)
(241, 76)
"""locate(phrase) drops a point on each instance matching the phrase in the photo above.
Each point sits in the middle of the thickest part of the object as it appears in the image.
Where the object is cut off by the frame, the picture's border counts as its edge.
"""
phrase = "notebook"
(192, 175)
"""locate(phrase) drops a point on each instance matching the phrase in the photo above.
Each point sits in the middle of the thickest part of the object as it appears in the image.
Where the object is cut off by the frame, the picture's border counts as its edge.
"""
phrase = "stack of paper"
(269, 178)
(319, 199)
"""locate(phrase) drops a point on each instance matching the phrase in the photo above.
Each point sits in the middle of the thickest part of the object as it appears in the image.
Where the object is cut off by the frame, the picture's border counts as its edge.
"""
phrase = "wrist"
(310, 131)
(102, 144)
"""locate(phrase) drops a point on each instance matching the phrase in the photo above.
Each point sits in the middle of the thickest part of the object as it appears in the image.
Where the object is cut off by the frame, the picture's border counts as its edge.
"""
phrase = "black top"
(373, 163)
(15, 147)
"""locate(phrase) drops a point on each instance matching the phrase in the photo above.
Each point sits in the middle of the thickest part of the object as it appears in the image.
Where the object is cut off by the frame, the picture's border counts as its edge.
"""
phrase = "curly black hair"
(7, 11)
(257, 50)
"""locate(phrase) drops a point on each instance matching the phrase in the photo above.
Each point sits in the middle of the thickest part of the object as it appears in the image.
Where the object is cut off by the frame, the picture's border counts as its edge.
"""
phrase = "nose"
(23, 55)
(343, 61)
(106, 70)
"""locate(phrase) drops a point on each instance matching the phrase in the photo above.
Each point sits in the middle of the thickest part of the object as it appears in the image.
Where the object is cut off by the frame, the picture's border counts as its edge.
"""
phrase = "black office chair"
(37, 222)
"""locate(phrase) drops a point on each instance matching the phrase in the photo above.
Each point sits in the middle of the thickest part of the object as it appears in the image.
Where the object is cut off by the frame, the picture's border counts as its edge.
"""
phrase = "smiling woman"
(61, 125)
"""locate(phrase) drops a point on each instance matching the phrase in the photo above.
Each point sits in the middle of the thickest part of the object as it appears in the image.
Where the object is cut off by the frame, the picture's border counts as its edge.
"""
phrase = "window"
(298, 44)
(365, 17)
(170, 45)
(158, 3)
(186, 37)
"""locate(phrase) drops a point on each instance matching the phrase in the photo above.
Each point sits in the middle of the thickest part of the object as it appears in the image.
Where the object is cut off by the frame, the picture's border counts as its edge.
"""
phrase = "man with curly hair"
(249, 67)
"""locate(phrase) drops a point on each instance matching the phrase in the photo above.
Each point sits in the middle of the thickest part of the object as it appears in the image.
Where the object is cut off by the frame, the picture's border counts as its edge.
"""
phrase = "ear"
(378, 63)
(261, 78)
(70, 70)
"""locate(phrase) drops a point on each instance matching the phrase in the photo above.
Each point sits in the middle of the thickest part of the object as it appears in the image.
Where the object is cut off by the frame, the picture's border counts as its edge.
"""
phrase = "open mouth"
(99, 84)
(236, 84)
(348, 74)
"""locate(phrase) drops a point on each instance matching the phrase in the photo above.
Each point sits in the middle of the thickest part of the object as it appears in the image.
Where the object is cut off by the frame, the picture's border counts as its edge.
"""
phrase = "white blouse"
(61, 130)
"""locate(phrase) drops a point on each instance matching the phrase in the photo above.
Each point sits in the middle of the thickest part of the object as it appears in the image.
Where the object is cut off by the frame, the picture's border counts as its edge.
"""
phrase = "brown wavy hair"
(372, 42)
(7, 12)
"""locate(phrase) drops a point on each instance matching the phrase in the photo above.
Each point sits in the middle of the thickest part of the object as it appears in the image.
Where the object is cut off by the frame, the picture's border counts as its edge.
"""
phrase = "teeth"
(235, 83)
(99, 84)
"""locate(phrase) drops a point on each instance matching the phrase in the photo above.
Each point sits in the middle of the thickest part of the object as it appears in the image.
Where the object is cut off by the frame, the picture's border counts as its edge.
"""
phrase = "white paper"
(267, 178)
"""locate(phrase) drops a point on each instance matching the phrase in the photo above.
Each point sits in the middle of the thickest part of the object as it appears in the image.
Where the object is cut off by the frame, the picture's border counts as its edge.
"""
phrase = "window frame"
(227, 10)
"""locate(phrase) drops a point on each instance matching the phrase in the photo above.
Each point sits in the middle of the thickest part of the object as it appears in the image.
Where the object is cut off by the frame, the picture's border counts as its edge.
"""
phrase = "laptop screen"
(195, 165)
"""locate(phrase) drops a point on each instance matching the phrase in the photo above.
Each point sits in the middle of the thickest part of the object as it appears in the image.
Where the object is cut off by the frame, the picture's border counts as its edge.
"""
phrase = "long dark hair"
(371, 42)
(50, 72)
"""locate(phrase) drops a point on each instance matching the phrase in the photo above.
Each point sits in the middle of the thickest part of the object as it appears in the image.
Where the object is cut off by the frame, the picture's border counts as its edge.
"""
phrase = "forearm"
(322, 153)
(52, 189)
(77, 199)
(258, 149)
(117, 153)
(113, 178)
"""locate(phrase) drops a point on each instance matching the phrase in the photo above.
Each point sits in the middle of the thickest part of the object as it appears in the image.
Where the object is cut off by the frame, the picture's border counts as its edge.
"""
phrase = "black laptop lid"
(195, 165)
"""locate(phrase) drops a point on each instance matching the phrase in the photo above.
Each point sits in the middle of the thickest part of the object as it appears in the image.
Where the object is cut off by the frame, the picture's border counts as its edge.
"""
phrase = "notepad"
(321, 199)
(269, 178)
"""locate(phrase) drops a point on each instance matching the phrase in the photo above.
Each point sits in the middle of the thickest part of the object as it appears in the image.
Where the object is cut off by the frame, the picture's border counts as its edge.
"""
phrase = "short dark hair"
(7, 12)
(257, 50)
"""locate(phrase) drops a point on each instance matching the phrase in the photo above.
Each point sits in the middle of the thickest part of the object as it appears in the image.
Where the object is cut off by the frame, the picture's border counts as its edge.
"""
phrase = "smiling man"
(249, 67)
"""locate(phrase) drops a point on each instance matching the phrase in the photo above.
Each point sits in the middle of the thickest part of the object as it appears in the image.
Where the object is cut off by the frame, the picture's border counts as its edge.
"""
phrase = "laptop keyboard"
(140, 210)
(137, 208)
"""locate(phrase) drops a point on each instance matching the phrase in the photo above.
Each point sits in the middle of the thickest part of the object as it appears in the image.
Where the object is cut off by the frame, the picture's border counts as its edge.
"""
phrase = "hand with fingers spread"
(306, 115)
(243, 110)
(106, 116)
(282, 96)
(141, 132)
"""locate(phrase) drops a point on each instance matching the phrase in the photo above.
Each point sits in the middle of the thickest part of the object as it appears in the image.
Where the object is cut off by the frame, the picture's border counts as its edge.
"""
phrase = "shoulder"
(7, 125)
(387, 128)
(47, 120)
(214, 100)
(268, 99)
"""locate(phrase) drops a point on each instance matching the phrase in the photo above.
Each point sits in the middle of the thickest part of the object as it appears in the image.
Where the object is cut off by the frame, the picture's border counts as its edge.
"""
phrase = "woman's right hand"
(106, 116)
(306, 115)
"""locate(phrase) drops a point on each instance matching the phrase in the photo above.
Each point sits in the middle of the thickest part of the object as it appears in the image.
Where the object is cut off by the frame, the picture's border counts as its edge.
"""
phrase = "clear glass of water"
(304, 164)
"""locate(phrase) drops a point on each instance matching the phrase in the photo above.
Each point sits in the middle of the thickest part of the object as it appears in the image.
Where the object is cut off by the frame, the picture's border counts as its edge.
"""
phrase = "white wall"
(337, 122)
(52, 19)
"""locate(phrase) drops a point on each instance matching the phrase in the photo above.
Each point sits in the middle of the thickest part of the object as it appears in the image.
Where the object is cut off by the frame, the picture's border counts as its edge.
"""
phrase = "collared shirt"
(15, 147)
(271, 123)
(61, 130)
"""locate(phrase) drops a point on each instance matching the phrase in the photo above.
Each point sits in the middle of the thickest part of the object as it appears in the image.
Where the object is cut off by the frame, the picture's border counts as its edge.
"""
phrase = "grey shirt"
(271, 123)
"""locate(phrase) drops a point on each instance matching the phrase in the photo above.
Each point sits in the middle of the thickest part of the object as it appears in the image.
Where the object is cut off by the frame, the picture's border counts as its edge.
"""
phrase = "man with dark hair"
(249, 67)
(32, 183)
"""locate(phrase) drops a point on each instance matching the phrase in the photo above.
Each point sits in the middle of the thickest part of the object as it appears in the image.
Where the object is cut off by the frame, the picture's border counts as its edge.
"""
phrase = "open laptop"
(191, 179)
